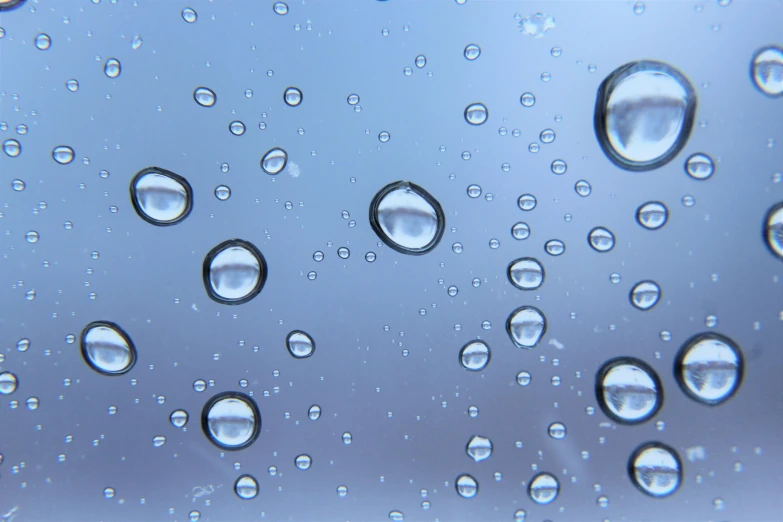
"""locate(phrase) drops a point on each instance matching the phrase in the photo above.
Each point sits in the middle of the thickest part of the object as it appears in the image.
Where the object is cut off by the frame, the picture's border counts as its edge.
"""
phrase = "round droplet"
(189, 15)
(32, 236)
(205, 97)
(237, 128)
(274, 161)
(107, 348)
(474, 356)
(407, 218)
(699, 166)
(520, 231)
(72, 85)
(557, 430)
(543, 488)
(479, 448)
(554, 247)
(384, 136)
(526, 326)
(161, 197)
(628, 390)
(178, 418)
(199, 385)
(303, 461)
(300, 344)
(12, 148)
(43, 41)
(527, 99)
(526, 273)
(353, 99)
(396, 516)
(231, 420)
(645, 294)
(370, 257)
(314, 412)
(472, 51)
(709, 368)
(421, 61)
(766, 69)
(222, 192)
(108, 493)
(292, 96)
(527, 202)
(652, 215)
(234, 272)
(467, 487)
(22, 345)
(476, 113)
(655, 469)
(773, 230)
(112, 68)
(246, 487)
(281, 8)
(474, 191)
(559, 167)
(601, 239)
(644, 114)
(523, 378)
(343, 253)
(548, 136)
(62, 154)
(583, 188)
(158, 441)
(8, 383)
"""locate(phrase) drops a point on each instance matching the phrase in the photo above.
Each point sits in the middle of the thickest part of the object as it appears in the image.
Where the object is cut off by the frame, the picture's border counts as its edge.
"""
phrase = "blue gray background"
(407, 414)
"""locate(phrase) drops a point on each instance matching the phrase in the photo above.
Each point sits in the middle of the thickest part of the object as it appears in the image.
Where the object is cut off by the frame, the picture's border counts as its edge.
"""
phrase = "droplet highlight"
(234, 272)
(709, 368)
(475, 355)
(628, 390)
(526, 273)
(407, 218)
(161, 197)
(526, 326)
(231, 420)
(107, 349)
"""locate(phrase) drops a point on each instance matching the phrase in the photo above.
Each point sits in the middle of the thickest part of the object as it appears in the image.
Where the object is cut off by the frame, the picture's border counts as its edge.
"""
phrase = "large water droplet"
(407, 218)
(246, 487)
(583, 188)
(652, 215)
(709, 368)
(773, 230)
(303, 461)
(476, 113)
(62, 154)
(628, 390)
(107, 348)
(601, 239)
(527, 202)
(479, 448)
(161, 197)
(12, 147)
(467, 487)
(543, 488)
(8, 383)
(300, 344)
(292, 96)
(178, 418)
(274, 161)
(554, 247)
(475, 355)
(526, 273)
(112, 68)
(645, 294)
(43, 41)
(281, 8)
(231, 420)
(526, 326)
(205, 97)
(644, 114)
(234, 272)
(655, 469)
(766, 70)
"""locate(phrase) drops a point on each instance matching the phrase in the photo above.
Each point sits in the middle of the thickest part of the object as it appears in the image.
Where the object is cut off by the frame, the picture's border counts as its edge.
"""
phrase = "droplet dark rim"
(630, 361)
(555, 255)
(536, 261)
(263, 271)
(753, 61)
(187, 418)
(310, 465)
(535, 203)
(530, 488)
(376, 226)
(549, 430)
(590, 243)
(214, 95)
(467, 447)
(297, 89)
(465, 347)
(456, 485)
(608, 85)
(121, 332)
(54, 150)
(285, 160)
(288, 344)
(485, 110)
(665, 215)
(679, 360)
(240, 134)
(231, 395)
(660, 295)
(689, 158)
(236, 486)
(766, 229)
(522, 223)
(16, 380)
(12, 5)
(510, 334)
(654, 445)
(176, 177)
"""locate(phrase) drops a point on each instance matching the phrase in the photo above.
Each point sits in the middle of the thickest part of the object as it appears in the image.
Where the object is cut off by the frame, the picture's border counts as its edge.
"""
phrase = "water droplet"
(583, 188)
(494, 243)
(43, 41)
(536, 25)
(8, 383)
(526, 326)
(237, 128)
(699, 166)
(222, 192)
(303, 461)
(407, 218)
(628, 390)
(601, 239)
(688, 201)
(312, 275)
(384, 136)
(475, 355)
(161, 197)
(526, 273)
(343, 253)
(474, 191)
(655, 469)
(72, 85)
(719, 504)
(554, 247)
(766, 69)
(527, 202)
(396, 516)
(479, 448)
(527, 99)
(314, 412)
(12, 148)
(556, 52)
(709, 368)
(457, 248)
(158, 441)
(520, 515)
(300, 344)
(246, 487)
(472, 51)
(644, 114)
(112, 68)
(108, 493)
(178, 418)
(476, 113)
(205, 97)
(773, 230)
(234, 272)
(557, 430)
(548, 136)
(520, 231)
(292, 96)
(467, 487)
(421, 61)
(638, 8)
(543, 488)
(274, 161)
(523, 378)
(62, 154)
(342, 491)
(281, 8)
(652, 215)
(199, 385)
(559, 167)
(453, 291)
(353, 99)
(107, 348)
(189, 15)
(231, 420)
(32, 236)
(645, 294)
(194, 516)
(136, 42)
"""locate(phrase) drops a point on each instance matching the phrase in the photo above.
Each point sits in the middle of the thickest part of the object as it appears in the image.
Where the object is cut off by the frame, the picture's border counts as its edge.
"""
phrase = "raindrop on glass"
(72, 85)
(543, 488)
(652, 215)
(773, 230)
(475, 355)
(655, 469)
(472, 51)
(292, 96)
(527, 202)
(467, 487)
(526, 273)
(384, 136)
(178, 418)
(222, 192)
(274, 161)
(12, 148)
(421, 61)
(699, 166)
(205, 97)
(231, 420)
(557, 430)
(520, 231)
(300, 344)
(281, 8)
(32, 236)
(479, 448)
(523, 378)
(628, 390)
(526, 326)
(314, 412)
(42, 41)
(407, 218)
(246, 487)
(8, 383)
(161, 197)
(474, 191)
(237, 128)
(559, 167)
(766, 69)
(62, 154)
(112, 69)
(234, 272)
(189, 15)
(303, 461)
(601, 239)
(353, 99)
(554, 247)
(709, 368)
(527, 99)
(645, 295)
(476, 113)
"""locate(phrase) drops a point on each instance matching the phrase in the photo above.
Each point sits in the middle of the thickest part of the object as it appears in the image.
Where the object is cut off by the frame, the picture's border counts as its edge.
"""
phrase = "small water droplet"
(652, 215)
(557, 430)
(699, 166)
(384, 136)
(231, 420)
(32, 236)
(474, 191)
(62, 154)
(559, 167)
(343, 253)
(475, 355)
(479, 448)
(472, 51)
(476, 113)
(222, 192)
(773, 230)
(108, 493)
(638, 8)
(353, 99)
(527, 202)
(112, 69)
(246, 487)
(234, 272)
(421, 61)
(314, 412)
(396, 516)
(543, 488)
(205, 97)
(467, 487)
(655, 469)
(8, 383)
(601, 239)
(527, 99)
(158, 441)
(300, 344)
(645, 295)
(292, 96)
(767, 70)
(237, 128)
(72, 85)
(526, 273)
(274, 161)
(520, 231)
(281, 8)
(709, 368)
(628, 390)
(12, 148)
(107, 349)
(178, 418)
(189, 15)
(303, 461)
(43, 41)
(554, 247)
(136, 42)
(536, 25)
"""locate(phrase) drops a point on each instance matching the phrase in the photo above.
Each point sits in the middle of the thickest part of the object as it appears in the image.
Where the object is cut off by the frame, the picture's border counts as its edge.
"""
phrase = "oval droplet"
(520, 231)
(554, 247)
(479, 448)
(526, 326)
(112, 69)
(234, 272)
(303, 461)
(237, 128)
(12, 147)
(161, 197)
(527, 99)
(189, 15)
(178, 418)
(557, 430)
(407, 218)
(628, 390)
(472, 51)
(475, 356)
(281, 8)
(652, 215)
(8, 383)
(709, 368)
(467, 487)
(72, 85)
(107, 348)
(420, 61)
(231, 420)
(655, 469)
(314, 412)
(43, 41)
(699, 166)
(526, 273)
(292, 96)
(246, 487)
(527, 202)
(476, 113)
(644, 113)
(543, 488)
(274, 161)
(62, 154)
(601, 239)
(766, 70)
(300, 344)
(222, 192)
(645, 295)
(205, 97)
(583, 188)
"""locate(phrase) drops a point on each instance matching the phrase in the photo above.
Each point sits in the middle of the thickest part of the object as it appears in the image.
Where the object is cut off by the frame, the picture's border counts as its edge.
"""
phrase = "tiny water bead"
(548, 136)
(527, 99)
(234, 272)
(475, 356)
(479, 448)
(136, 42)
(407, 218)
(62, 154)
(222, 192)
(178, 418)
(524, 378)
(655, 469)
(628, 390)
(237, 128)
(158, 441)
(557, 430)
(652, 215)
(709, 368)
(32, 236)
(342, 491)
(474, 191)
(199, 385)
(112, 68)
(559, 167)
(189, 15)
(396, 516)
(343, 253)
(645, 295)
(472, 51)
(292, 96)
(526, 273)
(543, 488)
(773, 230)
(12, 148)
(476, 113)
(161, 197)
(205, 96)
(766, 70)
(554, 247)
(384, 136)
(72, 85)
(274, 161)
(314, 412)
(527, 202)
(420, 61)
(280, 8)
(644, 114)
(466, 485)
(526, 326)
(22, 345)
(699, 166)
(8, 383)
(353, 99)
(231, 420)
(583, 188)
(107, 349)
(300, 344)
(303, 461)
(601, 239)
(246, 487)
(108, 492)
(520, 231)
